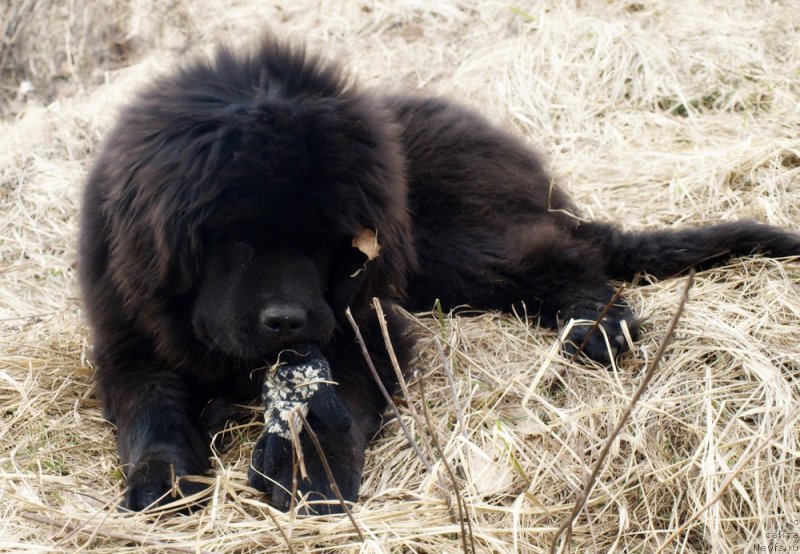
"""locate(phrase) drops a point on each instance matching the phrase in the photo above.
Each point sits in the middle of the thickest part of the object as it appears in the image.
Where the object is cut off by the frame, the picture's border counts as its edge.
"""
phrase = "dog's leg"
(568, 283)
(556, 276)
(158, 435)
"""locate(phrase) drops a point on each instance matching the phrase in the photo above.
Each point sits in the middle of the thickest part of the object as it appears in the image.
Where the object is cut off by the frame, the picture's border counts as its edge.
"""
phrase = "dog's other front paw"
(272, 467)
(595, 346)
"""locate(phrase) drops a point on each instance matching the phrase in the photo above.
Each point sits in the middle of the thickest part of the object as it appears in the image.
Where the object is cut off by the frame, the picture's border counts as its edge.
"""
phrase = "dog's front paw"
(158, 479)
(591, 341)
(273, 463)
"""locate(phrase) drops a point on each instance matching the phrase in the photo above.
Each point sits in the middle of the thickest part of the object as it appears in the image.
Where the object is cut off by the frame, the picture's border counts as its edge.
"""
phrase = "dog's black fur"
(217, 230)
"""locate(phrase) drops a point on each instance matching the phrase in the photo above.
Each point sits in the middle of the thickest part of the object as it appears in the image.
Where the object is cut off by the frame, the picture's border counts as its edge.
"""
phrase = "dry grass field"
(651, 112)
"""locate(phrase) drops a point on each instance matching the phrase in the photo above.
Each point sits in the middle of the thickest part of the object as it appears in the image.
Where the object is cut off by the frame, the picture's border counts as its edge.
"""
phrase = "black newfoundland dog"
(224, 222)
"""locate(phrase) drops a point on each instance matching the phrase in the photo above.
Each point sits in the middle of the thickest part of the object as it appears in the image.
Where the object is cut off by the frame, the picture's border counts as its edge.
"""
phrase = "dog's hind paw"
(604, 341)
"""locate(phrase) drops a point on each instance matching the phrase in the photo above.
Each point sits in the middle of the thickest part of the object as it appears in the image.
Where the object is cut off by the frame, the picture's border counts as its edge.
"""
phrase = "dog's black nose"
(284, 320)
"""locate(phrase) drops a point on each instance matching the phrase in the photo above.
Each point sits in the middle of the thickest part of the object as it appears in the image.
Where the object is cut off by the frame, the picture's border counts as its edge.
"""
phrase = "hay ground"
(652, 112)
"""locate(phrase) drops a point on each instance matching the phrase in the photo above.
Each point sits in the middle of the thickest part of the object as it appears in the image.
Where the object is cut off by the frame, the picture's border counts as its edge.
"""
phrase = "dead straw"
(66, 524)
(652, 118)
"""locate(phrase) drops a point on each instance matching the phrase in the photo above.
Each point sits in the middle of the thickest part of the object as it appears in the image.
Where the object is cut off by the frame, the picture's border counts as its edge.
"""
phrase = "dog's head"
(245, 188)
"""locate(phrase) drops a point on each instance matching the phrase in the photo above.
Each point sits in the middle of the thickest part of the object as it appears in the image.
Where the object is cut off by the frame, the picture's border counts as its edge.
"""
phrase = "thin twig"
(385, 393)
(597, 321)
(460, 504)
(566, 525)
(334, 487)
(298, 466)
(414, 414)
(67, 524)
(297, 446)
(401, 380)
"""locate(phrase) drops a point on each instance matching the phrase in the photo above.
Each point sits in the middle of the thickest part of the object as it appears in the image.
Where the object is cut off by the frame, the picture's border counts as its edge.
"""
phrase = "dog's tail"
(666, 253)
